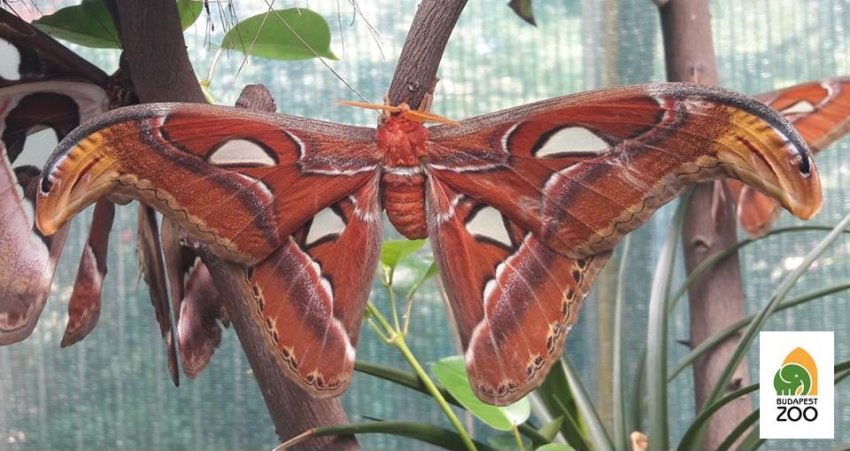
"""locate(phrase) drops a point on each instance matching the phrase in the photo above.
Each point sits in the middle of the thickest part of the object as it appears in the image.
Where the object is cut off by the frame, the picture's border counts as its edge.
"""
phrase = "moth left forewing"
(513, 298)
(311, 292)
(581, 171)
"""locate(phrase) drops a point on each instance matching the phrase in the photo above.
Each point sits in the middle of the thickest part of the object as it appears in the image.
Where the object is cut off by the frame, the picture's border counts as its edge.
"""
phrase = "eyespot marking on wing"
(11, 57)
(570, 140)
(326, 223)
(242, 152)
(487, 223)
(801, 107)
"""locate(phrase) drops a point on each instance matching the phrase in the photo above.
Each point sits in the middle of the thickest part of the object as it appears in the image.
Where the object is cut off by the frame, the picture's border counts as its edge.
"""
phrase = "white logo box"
(796, 416)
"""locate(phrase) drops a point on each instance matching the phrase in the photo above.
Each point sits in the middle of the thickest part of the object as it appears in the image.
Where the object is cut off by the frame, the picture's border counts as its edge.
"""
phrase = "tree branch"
(717, 299)
(426, 41)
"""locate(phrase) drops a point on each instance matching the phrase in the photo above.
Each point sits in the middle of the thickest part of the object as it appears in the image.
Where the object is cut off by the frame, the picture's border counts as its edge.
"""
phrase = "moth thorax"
(404, 201)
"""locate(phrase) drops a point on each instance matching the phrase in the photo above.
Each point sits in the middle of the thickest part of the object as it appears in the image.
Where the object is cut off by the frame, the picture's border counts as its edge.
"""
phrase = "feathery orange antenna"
(416, 115)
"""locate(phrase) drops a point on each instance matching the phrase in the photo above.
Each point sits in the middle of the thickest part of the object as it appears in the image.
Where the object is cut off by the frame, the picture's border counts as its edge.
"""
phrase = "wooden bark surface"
(717, 299)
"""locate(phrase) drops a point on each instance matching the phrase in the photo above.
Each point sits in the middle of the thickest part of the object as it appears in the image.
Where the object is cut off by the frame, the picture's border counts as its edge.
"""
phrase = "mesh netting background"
(112, 389)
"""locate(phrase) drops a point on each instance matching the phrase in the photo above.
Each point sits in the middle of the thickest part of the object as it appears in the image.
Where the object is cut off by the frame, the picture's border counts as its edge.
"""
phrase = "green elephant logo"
(797, 376)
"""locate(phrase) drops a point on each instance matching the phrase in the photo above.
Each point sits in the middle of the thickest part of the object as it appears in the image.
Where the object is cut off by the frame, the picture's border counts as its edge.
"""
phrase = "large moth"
(523, 206)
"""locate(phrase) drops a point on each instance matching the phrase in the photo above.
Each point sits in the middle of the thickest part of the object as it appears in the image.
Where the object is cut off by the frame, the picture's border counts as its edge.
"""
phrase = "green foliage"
(90, 24)
(451, 372)
(395, 251)
(282, 34)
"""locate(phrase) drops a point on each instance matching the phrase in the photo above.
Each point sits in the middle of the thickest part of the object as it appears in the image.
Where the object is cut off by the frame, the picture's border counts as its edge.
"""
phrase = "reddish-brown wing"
(295, 199)
(85, 302)
(525, 205)
(311, 292)
(241, 180)
(201, 310)
(820, 111)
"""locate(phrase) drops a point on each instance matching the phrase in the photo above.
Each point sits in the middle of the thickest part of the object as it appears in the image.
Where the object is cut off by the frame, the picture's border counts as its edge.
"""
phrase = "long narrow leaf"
(731, 329)
(714, 259)
(739, 430)
(656, 336)
(621, 439)
(691, 436)
(399, 377)
(598, 435)
(423, 432)
(556, 395)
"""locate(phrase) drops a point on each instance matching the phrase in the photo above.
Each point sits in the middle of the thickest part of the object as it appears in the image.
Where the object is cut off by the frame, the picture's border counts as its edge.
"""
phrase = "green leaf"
(555, 447)
(524, 10)
(189, 11)
(282, 34)
(451, 373)
(550, 429)
(90, 24)
(394, 251)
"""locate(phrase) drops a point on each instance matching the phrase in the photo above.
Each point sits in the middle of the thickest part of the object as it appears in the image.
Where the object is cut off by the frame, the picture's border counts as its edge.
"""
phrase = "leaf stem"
(518, 438)
(433, 390)
(395, 337)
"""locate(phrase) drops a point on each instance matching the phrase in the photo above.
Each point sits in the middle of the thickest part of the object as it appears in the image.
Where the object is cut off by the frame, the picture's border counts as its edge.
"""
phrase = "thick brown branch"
(417, 65)
(161, 71)
(716, 300)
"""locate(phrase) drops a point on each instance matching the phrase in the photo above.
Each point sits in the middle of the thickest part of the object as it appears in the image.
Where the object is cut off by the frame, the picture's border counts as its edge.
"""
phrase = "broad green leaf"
(507, 441)
(89, 23)
(394, 251)
(550, 429)
(282, 34)
(555, 447)
(523, 9)
(451, 373)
